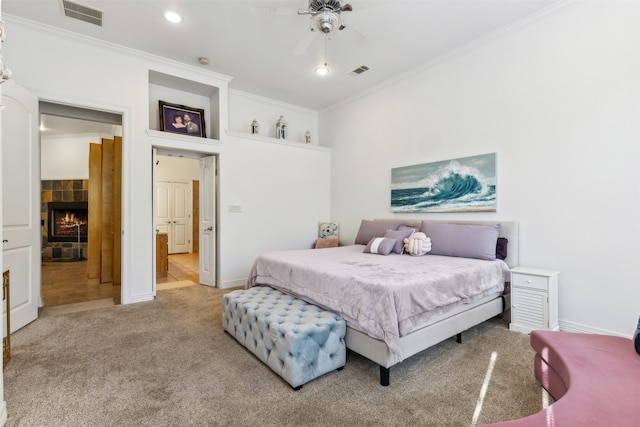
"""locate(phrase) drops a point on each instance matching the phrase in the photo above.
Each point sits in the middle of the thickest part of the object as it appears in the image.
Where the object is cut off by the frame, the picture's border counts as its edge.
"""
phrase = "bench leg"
(384, 376)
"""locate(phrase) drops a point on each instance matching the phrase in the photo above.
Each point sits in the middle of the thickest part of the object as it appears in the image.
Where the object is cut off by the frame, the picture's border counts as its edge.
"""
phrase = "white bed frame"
(421, 339)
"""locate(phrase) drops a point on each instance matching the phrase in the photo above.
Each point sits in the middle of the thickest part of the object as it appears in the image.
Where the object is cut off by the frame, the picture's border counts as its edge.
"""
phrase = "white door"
(163, 215)
(207, 221)
(21, 201)
(181, 218)
(173, 214)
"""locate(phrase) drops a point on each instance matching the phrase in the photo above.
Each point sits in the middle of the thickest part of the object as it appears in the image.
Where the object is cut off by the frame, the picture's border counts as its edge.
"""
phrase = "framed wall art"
(176, 118)
(465, 184)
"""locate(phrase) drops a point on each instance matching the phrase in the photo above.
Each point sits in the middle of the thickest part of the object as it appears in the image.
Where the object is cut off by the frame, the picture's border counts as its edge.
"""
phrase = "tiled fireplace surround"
(65, 190)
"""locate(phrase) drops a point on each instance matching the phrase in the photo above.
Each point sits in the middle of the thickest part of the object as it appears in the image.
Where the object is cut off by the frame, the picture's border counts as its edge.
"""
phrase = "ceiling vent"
(83, 13)
(358, 70)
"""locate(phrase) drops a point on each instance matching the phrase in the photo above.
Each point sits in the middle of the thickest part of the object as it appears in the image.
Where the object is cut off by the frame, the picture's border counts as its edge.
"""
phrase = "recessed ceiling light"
(172, 17)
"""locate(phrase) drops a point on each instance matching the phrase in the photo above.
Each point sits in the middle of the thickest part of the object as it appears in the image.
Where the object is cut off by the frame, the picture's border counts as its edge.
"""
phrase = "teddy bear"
(417, 244)
(328, 230)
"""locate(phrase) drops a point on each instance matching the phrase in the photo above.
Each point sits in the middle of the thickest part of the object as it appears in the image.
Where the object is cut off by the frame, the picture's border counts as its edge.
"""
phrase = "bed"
(398, 305)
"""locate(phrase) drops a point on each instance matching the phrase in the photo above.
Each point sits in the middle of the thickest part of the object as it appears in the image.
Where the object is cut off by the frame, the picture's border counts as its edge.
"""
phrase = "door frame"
(192, 154)
(125, 113)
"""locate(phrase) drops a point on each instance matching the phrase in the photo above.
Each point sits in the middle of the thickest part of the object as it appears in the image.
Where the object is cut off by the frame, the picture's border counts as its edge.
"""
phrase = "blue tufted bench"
(297, 340)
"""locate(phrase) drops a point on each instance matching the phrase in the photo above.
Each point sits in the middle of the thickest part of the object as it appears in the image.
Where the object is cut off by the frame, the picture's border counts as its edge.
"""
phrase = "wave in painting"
(451, 188)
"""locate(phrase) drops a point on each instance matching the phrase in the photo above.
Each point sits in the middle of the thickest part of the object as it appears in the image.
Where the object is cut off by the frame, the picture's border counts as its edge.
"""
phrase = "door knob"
(209, 229)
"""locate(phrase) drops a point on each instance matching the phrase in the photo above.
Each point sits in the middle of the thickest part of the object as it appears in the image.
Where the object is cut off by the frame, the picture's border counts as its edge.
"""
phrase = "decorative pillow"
(636, 338)
(417, 244)
(370, 229)
(380, 245)
(501, 248)
(468, 241)
(400, 235)
(327, 243)
(328, 230)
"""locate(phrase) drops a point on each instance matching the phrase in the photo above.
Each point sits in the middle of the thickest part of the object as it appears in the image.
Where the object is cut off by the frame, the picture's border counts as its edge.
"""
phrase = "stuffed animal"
(417, 244)
(328, 230)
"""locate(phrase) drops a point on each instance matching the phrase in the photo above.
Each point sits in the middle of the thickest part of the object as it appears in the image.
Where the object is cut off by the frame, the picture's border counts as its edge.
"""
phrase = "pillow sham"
(370, 229)
(327, 243)
(462, 240)
(501, 248)
(380, 245)
(399, 235)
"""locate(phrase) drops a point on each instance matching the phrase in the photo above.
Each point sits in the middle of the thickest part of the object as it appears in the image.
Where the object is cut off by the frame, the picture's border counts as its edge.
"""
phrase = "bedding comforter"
(385, 297)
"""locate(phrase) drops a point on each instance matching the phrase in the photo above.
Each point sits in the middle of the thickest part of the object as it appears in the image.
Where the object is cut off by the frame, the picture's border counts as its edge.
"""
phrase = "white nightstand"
(534, 299)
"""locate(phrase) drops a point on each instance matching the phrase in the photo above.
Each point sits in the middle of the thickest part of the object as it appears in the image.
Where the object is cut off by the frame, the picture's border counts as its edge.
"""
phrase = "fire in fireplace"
(68, 221)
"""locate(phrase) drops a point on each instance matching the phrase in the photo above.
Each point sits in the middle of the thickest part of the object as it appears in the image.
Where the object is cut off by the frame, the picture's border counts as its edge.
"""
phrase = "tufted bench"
(299, 341)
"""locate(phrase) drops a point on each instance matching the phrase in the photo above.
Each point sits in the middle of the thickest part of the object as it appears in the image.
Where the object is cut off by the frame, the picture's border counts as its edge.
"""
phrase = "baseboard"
(238, 283)
(566, 326)
(3, 413)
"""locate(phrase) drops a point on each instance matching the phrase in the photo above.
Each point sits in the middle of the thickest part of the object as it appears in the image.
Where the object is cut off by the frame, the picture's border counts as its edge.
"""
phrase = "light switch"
(235, 208)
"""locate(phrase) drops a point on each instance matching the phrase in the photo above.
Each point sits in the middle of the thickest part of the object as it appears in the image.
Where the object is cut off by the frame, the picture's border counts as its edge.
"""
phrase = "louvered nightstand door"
(534, 299)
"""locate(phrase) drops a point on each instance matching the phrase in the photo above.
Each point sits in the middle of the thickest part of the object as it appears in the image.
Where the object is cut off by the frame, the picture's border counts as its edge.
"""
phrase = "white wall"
(66, 157)
(245, 107)
(177, 169)
(101, 76)
(558, 100)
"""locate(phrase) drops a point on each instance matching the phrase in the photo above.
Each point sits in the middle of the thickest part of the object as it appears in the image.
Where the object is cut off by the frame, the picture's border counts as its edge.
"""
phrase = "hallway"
(67, 283)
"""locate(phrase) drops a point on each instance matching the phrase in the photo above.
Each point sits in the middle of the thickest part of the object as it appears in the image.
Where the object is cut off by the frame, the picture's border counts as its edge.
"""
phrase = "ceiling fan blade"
(358, 38)
(304, 43)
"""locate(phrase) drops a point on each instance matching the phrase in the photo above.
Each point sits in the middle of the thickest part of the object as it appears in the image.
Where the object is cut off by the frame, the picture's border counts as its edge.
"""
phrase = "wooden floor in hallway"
(67, 283)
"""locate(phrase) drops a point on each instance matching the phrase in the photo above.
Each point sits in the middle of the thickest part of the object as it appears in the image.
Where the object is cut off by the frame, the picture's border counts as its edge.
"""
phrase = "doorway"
(183, 212)
(66, 137)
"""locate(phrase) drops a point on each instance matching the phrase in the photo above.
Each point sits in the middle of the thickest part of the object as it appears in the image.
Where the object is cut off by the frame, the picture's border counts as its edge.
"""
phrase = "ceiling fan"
(325, 14)
(325, 17)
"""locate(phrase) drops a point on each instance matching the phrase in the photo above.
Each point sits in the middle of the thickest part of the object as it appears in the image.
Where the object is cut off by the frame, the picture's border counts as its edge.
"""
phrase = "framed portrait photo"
(176, 118)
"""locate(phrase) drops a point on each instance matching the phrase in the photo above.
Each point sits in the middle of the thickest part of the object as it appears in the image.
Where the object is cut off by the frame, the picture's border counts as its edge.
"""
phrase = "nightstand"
(534, 299)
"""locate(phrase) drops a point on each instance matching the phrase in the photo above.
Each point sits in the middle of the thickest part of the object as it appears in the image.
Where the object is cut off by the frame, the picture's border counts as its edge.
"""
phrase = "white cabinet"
(534, 299)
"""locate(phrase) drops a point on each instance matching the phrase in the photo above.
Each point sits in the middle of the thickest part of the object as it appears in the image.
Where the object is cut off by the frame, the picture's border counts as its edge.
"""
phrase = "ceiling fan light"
(322, 70)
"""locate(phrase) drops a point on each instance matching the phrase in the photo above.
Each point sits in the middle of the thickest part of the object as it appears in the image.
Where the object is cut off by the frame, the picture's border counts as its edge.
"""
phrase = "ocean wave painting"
(466, 184)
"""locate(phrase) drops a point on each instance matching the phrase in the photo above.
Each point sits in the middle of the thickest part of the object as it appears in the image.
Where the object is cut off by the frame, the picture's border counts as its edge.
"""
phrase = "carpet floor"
(168, 362)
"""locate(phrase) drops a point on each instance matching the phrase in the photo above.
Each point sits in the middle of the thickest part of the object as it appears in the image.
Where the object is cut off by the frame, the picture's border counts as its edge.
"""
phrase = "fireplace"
(67, 221)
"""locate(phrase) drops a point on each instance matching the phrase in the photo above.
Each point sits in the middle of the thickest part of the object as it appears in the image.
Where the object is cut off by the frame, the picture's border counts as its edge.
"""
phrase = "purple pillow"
(636, 338)
(370, 229)
(501, 248)
(400, 235)
(462, 240)
(380, 245)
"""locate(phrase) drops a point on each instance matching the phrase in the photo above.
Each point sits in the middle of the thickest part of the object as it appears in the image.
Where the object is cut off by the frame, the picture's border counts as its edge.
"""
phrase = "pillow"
(370, 229)
(399, 235)
(380, 245)
(328, 230)
(327, 243)
(501, 248)
(468, 241)
(636, 338)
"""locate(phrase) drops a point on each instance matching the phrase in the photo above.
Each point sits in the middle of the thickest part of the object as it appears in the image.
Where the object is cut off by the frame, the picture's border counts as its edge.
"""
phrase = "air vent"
(83, 13)
(358, 70)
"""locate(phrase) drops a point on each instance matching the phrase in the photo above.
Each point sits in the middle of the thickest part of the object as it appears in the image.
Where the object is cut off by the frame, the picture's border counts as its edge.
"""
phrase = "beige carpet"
(174, 285)
(76, 307)
(168, 362)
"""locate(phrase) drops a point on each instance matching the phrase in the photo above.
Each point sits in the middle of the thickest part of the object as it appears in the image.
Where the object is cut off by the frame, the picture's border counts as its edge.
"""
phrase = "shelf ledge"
(270, 140)
(184, 138)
